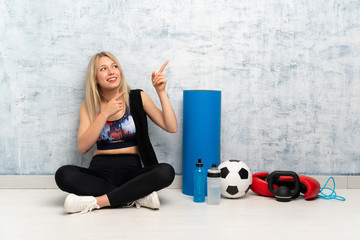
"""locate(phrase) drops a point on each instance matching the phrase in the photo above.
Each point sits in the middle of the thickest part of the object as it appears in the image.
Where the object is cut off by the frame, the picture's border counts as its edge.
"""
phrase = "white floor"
(37, 214)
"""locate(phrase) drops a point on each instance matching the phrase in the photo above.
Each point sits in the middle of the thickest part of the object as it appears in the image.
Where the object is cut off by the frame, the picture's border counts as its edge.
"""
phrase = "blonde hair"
(93, 91)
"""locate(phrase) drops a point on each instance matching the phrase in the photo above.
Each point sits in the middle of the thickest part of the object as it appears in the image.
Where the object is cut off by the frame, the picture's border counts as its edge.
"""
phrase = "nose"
(110, 71)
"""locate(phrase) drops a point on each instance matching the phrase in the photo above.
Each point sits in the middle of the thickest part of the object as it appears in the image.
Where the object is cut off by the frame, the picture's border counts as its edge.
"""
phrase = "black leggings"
(121, 177)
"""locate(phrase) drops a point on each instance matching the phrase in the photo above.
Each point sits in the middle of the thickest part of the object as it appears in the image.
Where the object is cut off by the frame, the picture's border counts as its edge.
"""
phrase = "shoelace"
(142, 201)
(90, 207)
(136, 203)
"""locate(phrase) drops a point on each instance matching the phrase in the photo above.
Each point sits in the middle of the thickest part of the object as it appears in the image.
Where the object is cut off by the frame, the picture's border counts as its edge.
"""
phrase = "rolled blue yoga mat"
(201, 133)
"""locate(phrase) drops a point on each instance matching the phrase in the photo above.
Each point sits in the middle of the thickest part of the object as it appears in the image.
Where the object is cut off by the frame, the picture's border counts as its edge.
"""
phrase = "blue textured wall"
(288, 70)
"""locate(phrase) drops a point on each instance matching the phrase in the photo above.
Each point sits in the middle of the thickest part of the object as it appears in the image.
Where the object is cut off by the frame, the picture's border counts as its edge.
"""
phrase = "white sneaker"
(82, 204)
(150, 201)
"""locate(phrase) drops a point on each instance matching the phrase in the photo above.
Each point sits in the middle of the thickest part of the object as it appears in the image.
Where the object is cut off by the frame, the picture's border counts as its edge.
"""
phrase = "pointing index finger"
(163, 67)
(119, 95)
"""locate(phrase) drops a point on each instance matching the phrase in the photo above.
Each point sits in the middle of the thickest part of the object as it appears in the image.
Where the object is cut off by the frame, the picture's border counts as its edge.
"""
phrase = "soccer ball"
(236, 178)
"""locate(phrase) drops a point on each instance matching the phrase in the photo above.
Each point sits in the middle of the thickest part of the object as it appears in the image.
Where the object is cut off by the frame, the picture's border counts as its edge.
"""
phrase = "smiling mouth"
(111, 79)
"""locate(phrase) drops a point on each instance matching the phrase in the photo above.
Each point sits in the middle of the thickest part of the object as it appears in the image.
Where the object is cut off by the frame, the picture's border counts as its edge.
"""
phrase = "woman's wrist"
(104, 115)
(162, 93)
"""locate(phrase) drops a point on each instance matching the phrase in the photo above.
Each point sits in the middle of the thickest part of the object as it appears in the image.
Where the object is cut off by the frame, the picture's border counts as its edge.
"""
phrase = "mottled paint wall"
(288, 70)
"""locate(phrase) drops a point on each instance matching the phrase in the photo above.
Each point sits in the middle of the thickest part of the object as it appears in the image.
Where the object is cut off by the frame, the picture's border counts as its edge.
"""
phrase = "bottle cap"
(214, 172)
(199, 163)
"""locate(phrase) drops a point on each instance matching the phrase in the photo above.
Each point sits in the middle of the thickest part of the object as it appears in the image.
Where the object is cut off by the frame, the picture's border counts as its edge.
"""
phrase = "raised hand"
(115, 105)
(158, 79)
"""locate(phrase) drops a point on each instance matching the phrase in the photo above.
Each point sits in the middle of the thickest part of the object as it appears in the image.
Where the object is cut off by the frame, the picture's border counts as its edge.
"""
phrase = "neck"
(107, 95)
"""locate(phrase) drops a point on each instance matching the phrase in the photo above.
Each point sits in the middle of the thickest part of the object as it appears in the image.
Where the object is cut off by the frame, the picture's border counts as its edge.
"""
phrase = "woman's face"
(108, 74)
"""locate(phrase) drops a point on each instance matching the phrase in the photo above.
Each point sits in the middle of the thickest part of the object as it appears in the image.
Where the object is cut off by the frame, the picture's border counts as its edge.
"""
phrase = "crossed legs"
(114, 185)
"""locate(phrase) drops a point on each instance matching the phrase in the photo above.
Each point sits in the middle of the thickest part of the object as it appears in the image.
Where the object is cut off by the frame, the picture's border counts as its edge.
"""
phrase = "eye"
(103, 69)
(115, 66)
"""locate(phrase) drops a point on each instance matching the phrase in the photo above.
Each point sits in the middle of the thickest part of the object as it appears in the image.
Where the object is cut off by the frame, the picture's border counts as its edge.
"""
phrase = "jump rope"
(332, 194)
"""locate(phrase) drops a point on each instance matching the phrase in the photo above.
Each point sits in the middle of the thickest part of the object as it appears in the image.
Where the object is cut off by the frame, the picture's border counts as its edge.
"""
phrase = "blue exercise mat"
(201, 133)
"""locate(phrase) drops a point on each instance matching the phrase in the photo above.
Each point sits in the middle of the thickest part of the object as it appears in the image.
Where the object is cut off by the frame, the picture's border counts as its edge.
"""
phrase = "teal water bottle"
(199, 182)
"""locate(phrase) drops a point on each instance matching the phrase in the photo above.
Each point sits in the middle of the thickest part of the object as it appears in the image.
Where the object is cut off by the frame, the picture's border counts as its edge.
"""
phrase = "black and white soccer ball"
(236, 178)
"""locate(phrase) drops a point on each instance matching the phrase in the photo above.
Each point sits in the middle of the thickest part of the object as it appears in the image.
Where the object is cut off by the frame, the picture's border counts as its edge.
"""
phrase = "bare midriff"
(128, 150)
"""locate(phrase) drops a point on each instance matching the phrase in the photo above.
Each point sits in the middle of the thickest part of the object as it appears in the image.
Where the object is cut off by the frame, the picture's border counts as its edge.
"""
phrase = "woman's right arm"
(88, 132)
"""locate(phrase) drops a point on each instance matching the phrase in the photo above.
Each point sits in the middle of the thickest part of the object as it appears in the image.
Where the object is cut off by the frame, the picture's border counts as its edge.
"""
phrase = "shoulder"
(145, 99)
(84, 113)
(83, 106)
(138, 95)
(135, 95)
(135, 92)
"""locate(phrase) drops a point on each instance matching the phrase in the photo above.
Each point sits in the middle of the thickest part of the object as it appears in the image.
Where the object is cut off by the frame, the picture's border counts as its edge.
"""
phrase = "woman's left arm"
(164, 118)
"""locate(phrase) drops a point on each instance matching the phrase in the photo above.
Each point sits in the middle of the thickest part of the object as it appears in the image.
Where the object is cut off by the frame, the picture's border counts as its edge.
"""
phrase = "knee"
(63, 177)
(166, 174)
